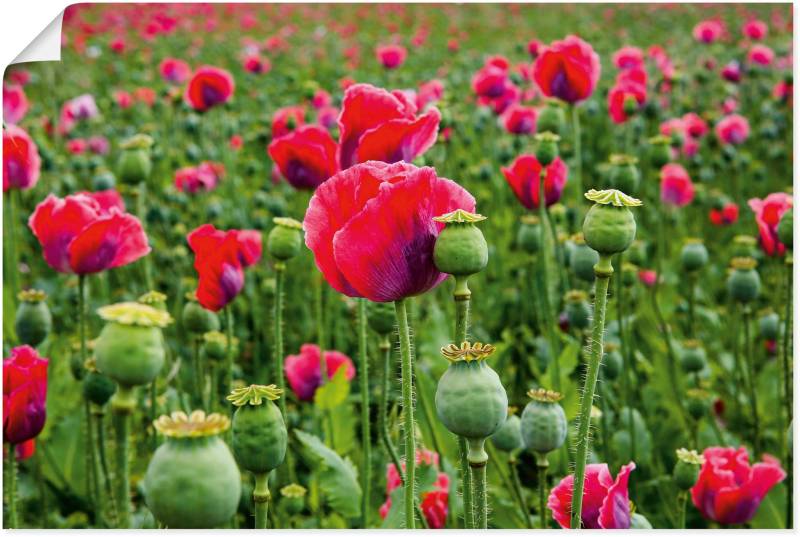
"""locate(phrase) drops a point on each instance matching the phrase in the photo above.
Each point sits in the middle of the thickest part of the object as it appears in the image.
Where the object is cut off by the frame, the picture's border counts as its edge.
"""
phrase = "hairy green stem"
(541, 476)
(13, 521)
(280, 270)
(624, 344)
(261, 497)
(461, 296)
(517, 487)
(101, 449)
(479, 478)
(603, 271)
(408, 409)
(366, 441)
(682, 497)
(122, 405)
(229, 349)
(320, 315)
(555, 379)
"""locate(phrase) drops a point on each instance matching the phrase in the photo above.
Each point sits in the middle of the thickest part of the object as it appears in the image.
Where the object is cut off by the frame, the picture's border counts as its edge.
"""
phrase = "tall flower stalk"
(407, 389)
(363, 364)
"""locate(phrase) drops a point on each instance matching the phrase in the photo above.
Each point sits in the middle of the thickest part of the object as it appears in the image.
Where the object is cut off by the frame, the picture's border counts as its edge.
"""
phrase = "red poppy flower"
(219, 259)
(695, 126)
(605, 500)
(107, 199)
(77, 146)
(434, 507)
(391, 56)
(510, 96)
(733, 129)
(303, 371)
(204, 177)
(209, 87)
(378, 125)
(568, 69)
(257, 64)
(15, 103)
(21, 162)
(174, 70)
(519, 119)
(287, 119)
(708, 31)
(24, 395)
(524, 174)
(728, 489)
(83, 234)
(535, 48)
(306, 157)
(724, 216)
(620, 94)
(677, 188)
(760, 55)
(434, 503)
(429, 93)
(754, 29)
(732, 72)
(648, 277)
(372, 232)
(490, 80)
(768, 213)
(628, 58)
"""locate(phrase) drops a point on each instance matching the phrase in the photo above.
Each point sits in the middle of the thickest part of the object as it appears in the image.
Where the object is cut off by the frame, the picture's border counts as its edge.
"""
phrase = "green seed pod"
(660, 152)
(698, 403)
(639, 522)
(579, 313)
(460, 248)
(693, 356)
(259, 432)
(528, 234)
(285, 239)
(546, 147)
(637, 253)
(744, 246)
(624, 175)
(196, 319)
(215, 345)
(33, 321)
(694, 255)
(551, 118)
(612, 361)
(687, 468)
(544, 424)
(769, 325)
(470, 399)
(104, 180)
(293, 498)
(508, 437)
(609, 226)
(97, 387)
(583, 259)
(630, 274)
(135, 164)
(381, 317)
(744, 283)
(192, 480)
(785, 228)
(130, 348)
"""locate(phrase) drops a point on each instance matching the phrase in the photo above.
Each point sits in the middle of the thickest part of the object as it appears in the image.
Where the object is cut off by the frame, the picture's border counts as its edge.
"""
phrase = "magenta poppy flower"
(321, 99)
(372, 232)
(732, 72)
(99, 145)
(605, 500)
(695, 126)
(209, 87)
(77, 146)
(287, 119)
(519, 119)
(391, 56)
(768, 213)
(677, 188)
(783, 91)
(303, 371)
(24, 395)
(80, 108)
(623, 92)
(258, 65)
(306, 157)
(510, 96)
(84, 234)
(755, 30)
(434, 503)
(648, 277)
(174, 70)
(568, 69)
(429, 93)
(490, 80)
(535, 48)
(724, 216)
(379, 125)
(205, 177)
(21, 162)
(760, 55)
(733, 129)
(107, 199)
(220, 258)
(15, 103)
(628, 58)
(708, 31)
(524, 174)
(728, 489)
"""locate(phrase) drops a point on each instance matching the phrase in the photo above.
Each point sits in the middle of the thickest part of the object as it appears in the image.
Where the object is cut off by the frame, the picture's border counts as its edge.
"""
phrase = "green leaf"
(333, 393)
(338, 477)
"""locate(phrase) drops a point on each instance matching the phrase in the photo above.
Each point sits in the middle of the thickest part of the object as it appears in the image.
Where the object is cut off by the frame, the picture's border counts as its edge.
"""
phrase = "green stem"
(461, 296)
(261, 497)
(548, 318)
(624, 344)
(751, 374)
(466, 484)
(280, 269)
(479, 478)
(787, 384)
(320, 315)
(408, 409)
(122, 405)
(512, 470)
(603, 271)
(366, 441)
(576, 135)
(229, 349)
(91, 464)
(690, 327)
(541, 476)
(13, 521)
(101, 449)
(140, 212)
(682, 497)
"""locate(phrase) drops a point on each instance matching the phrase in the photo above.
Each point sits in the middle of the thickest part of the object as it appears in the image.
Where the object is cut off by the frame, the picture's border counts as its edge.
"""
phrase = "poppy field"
(412, 266)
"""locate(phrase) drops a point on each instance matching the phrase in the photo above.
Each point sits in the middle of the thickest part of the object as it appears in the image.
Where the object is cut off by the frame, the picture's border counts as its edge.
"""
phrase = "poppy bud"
(196, 318)
(33, 321)
(769, 325)
(97, 387)
(744, 282)
(528, 234)
(785, 228)
(546, 147)
(551, 118)
(630, 274)
(609, 227)
(693, 255)
(660, 150)
(285, 239)
(460, 248)
(130, 348)
(381, 317)
(687, 469)
(293, 498)
(612, 361)
(259, 432)
(583, 259)
(543, 422)
(579, 312)
(134, 164)
(624, 175)
(692, 356)
(508, 437)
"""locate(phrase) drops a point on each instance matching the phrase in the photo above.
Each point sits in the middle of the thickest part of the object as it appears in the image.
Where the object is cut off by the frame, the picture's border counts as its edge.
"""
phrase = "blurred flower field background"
(251, 211)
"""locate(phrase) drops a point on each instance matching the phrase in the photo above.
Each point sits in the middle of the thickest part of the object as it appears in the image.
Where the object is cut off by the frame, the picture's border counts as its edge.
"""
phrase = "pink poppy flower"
(306, 157)
(677, 188)
(209, 86)
(429, 93)
(695, 126)
(605, 500)
(434, 502)
(78, 109)
(732, 72)
(391, 56)
(535, 48)
(499, 104)
(708, 31)
(77, 146)
(760, 55)
(628, 58)
(568, 70)
(519, 119)
(174, 70)
(24, 395)
(490, 80)
(21, 162)
(648, 277)
(622, 93)
(15, 104)
(733, 129)
(256, 64)
(99, 145)
(768, 213)
(524, 176)
(724, 216)
(287, 119)
(303, 371)
(729, 490)
(321, 99)
(204, 177)
(755, 30)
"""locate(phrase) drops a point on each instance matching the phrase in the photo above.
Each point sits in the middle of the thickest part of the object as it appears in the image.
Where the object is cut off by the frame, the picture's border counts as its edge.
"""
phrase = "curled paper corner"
(45, 47)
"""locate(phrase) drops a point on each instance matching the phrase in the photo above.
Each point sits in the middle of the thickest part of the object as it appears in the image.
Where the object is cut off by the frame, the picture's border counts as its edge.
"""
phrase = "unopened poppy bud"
(546, 147)
(529, 235)
(612, 361)
(785, 228)
(135, 164)
(551, 118)
(196, 319)
(687, 469)
(543, 422)
(582, 259)
(33, 321)
(259, 432)
(693, 356)
(285, 239)
(769, 325)
(744, 282)
(381, 317)
(293, 498)
(624, 175)
(579, 312)
(508, 437)
(694, 255)
(660, 153)
(460, 248)
(609, 226)
(97, 387)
